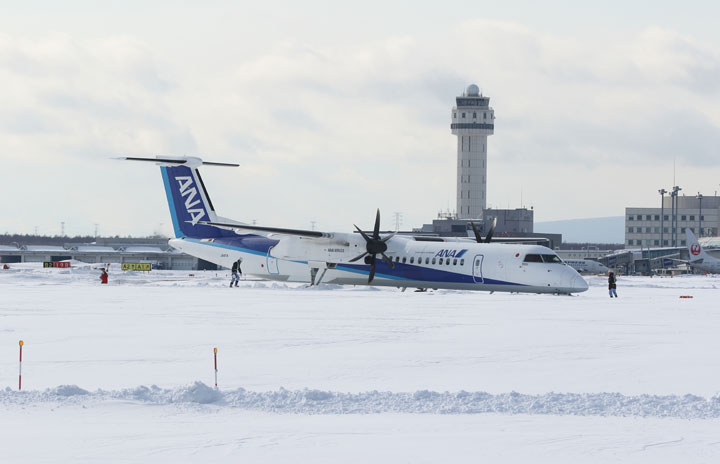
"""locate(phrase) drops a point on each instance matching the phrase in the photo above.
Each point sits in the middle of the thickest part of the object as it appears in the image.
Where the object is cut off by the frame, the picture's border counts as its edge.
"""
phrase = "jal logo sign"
(188, 190)
(695, 249)
(450, 253)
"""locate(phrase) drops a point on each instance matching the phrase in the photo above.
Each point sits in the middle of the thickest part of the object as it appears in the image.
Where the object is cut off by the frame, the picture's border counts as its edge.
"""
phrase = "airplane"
(587, 266)
(362, 258)
(699, 258)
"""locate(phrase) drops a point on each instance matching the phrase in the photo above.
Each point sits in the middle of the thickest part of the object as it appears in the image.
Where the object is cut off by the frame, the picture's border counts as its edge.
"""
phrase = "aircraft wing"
(274, 230)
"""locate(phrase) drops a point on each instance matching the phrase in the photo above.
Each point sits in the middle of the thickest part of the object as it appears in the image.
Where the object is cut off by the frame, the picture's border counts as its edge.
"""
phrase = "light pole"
(662, 193)
(700, 197)
(674, 195)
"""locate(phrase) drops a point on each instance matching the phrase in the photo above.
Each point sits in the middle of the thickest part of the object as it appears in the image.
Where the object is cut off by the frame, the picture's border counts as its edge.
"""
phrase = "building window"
(484, 115)
(631, 218)
(656, 242)
(631, 230)
(665, 230)
(630, 242)
(648, 217)
(692, 229)
(666, 217)
(683, 218)
(682, 230)
(454, 115)
(647, 230)
(657, 217)
(692, 217)
(463, 115)
(647, 242)
(683, 243)
(665, 242)
(474, 115)
(702, 218)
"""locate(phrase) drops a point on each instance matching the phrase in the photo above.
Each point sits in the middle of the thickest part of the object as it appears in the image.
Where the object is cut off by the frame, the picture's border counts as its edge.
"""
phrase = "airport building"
(665, 226)
(145, 250)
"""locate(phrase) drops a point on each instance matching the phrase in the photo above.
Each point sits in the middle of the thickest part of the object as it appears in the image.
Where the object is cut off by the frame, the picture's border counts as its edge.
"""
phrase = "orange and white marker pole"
(20, 367)
(215, 352)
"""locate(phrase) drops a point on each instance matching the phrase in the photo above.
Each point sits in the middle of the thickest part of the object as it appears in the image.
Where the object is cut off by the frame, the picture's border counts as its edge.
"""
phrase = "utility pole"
(674, 195)
(398, 220)
(62, 228)
(96, 230)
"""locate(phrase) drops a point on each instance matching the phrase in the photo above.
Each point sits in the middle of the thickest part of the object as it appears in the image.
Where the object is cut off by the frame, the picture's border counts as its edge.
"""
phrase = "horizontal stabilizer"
(179, 161)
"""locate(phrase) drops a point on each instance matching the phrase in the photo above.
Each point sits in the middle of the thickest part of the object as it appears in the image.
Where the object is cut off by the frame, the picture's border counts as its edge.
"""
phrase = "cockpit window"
(551, 259)
(532, 259)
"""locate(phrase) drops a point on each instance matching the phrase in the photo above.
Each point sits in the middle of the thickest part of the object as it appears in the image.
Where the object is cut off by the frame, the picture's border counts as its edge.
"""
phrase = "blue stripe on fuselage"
(258, 245)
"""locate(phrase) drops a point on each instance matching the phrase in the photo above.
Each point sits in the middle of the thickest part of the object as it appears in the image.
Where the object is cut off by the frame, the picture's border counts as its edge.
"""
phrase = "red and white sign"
(695, 249)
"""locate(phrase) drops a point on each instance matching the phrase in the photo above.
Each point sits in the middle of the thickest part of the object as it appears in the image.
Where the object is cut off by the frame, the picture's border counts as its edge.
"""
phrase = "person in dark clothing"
(612, 285)
(236, 272)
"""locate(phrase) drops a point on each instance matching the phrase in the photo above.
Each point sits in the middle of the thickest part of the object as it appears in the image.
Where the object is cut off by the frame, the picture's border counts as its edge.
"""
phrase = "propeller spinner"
(375, 245)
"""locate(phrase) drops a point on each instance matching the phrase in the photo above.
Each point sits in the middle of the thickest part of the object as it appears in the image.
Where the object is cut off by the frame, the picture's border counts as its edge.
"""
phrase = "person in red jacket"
(103, 276)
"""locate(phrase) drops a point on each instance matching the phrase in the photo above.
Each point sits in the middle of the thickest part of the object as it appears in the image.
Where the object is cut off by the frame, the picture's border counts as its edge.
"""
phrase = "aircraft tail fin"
(187, 197)
(695, 251)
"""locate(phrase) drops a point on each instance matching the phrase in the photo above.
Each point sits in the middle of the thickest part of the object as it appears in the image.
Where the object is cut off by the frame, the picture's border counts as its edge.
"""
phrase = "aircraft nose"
(578, 284)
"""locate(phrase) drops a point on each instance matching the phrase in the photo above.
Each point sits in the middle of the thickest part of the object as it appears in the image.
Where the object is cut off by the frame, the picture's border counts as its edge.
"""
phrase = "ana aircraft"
(699, 258)
(361, 258)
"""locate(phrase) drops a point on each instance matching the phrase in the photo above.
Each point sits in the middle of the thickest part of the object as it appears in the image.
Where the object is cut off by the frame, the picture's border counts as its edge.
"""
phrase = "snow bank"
(373, 402)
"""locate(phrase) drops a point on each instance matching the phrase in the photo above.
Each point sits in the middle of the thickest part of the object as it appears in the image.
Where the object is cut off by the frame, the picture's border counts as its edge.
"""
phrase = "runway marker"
(20, 367)
(685, 296)
(215, 351)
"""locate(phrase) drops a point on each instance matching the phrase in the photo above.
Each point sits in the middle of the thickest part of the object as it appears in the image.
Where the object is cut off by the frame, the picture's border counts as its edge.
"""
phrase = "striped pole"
(20, 367)
(215, 351)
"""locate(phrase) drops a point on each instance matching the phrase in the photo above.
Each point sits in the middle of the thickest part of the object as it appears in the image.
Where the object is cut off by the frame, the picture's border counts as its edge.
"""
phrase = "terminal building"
(665, 226)
(106, 250)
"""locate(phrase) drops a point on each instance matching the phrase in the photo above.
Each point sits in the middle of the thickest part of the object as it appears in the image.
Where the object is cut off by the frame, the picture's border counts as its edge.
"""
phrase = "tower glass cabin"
(472, 120)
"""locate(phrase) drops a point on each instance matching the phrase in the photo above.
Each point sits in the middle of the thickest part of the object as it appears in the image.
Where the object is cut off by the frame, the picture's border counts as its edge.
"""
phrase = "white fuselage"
(455, 264)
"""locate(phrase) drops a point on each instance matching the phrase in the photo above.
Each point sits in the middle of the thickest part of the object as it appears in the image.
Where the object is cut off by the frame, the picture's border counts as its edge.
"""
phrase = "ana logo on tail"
(188, 190)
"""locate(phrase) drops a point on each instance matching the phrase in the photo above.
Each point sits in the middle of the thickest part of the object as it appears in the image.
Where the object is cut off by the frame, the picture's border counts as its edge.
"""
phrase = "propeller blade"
(373, 262)
(389, 237)
(357, 257)
(367, 239)
(388, 260)
(488, 239)
(376, 230)
(478, 237)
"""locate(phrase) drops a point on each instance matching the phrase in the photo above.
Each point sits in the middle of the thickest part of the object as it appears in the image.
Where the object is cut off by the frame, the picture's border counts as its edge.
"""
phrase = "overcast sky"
(336, 110)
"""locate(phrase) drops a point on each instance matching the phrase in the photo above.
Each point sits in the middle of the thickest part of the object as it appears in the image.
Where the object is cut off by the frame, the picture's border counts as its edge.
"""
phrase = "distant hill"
(591, 230)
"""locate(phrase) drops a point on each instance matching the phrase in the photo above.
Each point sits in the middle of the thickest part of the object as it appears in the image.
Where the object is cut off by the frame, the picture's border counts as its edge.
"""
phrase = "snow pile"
(373, 402)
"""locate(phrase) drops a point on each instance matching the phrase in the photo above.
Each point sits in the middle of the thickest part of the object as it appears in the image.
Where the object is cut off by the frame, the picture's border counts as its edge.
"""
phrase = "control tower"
(472, 120)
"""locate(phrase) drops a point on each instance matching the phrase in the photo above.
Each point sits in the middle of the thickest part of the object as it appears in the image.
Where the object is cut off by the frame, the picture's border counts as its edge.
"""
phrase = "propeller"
(488, 238)
(374, 246)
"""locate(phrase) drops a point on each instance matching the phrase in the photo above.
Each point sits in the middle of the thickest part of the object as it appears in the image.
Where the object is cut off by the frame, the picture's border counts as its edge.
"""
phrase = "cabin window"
(462, 261)
(441, 261)
(412, 259)
(427, 260)
(551, 259)
(455, 262)
(532, 259)
(433, 260)
(404, 260)
(447, 261)
(397, 259)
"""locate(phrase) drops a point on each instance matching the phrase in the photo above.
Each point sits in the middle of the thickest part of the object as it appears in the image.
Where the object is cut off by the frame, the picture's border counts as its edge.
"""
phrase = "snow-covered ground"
(124, 372)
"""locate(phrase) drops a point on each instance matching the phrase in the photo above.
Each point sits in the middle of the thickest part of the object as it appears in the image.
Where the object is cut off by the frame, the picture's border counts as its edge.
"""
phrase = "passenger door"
(477, 269)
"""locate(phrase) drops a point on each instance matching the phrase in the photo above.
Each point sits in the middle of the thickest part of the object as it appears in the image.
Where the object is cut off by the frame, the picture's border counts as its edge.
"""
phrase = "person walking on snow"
(235, 273)
(612, 285)
(103, 276)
